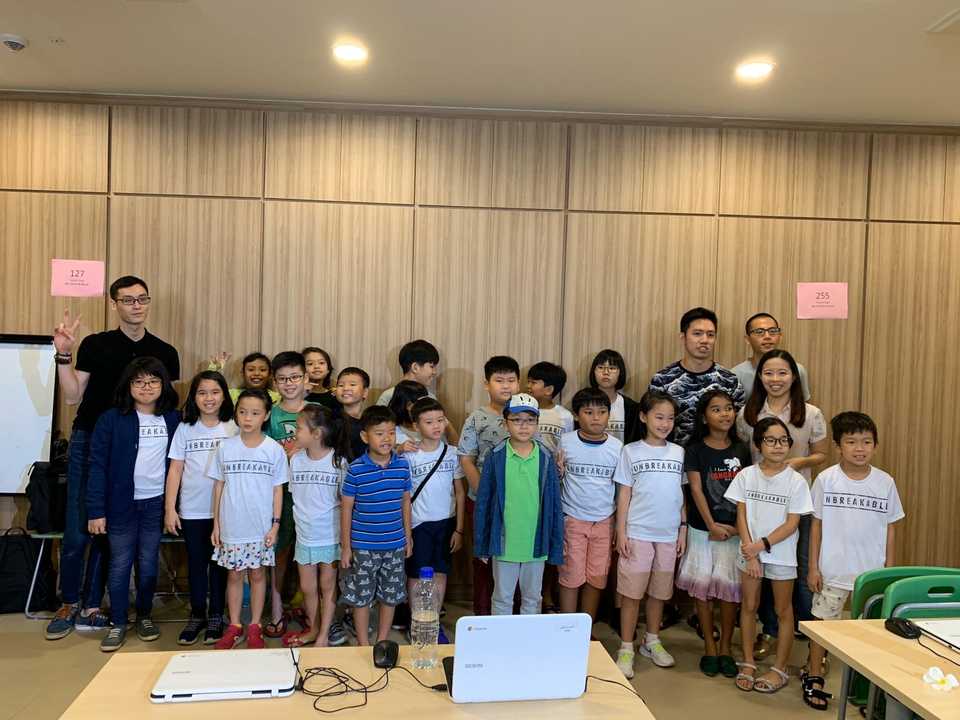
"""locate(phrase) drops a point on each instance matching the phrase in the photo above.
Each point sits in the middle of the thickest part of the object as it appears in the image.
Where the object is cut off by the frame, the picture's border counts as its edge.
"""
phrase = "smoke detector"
(13, 43)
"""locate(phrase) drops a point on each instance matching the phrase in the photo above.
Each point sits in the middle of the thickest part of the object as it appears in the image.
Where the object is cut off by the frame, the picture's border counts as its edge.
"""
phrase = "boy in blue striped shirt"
(375, 526)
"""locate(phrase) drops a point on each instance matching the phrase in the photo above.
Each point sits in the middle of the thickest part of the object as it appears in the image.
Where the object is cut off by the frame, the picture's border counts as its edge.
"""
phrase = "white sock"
(650, 639)
(624, 645)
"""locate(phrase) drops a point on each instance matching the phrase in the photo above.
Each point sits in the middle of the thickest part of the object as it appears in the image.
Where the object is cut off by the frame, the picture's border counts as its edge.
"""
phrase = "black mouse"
(902, 627)
(385, 654)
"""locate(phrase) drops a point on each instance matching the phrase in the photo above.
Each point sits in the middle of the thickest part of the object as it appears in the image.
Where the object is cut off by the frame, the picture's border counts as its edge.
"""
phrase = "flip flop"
(294, 639)
(279, 628)
(767, 687)
(751, 679)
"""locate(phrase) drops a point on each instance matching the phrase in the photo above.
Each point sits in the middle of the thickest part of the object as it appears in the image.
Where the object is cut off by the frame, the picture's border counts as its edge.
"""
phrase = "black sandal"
(813, 690)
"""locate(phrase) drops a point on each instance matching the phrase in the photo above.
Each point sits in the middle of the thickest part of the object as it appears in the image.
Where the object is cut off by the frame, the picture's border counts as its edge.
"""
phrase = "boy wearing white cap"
(518, 519)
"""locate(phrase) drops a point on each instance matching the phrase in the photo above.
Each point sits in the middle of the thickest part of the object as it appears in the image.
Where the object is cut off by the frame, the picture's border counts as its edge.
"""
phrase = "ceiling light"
(350, 53)
(754, 71)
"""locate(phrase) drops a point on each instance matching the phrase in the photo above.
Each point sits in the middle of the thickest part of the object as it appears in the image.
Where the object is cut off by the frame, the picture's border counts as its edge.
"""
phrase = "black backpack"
(18, 559)
(47, 493)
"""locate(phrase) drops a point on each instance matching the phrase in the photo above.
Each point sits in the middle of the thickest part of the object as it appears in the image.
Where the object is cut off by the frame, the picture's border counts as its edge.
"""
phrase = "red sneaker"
(255, 637)
(231, 637)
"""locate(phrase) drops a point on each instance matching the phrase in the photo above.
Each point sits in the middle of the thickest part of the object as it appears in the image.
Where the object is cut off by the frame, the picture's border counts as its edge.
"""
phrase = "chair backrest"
(869, 587)
(929, 596)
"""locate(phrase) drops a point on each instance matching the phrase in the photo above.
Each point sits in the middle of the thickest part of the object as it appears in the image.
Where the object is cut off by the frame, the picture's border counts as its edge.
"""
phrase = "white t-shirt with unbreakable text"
(769, 500)
(855, 515)
(195, 445)
(150, 470)
(656, 475)
(315, 487)
(588, 490)
(553, 423)
(437, 500)
(616, 420)
(249, 476)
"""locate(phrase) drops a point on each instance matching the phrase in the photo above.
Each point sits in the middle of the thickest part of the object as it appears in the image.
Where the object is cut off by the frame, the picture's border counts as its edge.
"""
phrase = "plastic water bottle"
(424, 621)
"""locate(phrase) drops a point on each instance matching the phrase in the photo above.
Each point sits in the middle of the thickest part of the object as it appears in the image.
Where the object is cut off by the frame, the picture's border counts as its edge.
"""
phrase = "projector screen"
(28, 388)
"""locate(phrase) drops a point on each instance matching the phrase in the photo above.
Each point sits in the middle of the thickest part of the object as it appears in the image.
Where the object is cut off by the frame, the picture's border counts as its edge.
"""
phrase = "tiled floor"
(39, 679)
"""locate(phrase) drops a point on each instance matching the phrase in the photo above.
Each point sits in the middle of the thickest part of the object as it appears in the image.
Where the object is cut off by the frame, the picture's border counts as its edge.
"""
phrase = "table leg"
(844, 693)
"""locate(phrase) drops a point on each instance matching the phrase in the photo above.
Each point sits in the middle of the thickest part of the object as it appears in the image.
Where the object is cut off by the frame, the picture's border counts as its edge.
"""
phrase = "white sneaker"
(625, 662)
(657, 653)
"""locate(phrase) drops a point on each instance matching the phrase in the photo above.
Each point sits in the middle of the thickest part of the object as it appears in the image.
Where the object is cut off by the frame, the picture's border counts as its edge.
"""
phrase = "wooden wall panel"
(606, 167)
(759, 264)
(187, 151)
(912, 301)
(907, 180)
(628, 280)
(34, 229)
(794, 173)
(491, 163)
(951, 193)
(379, 152)
(303, 155)
(486, 283)
(338, 276)
(202, 260)
(681, 168)
(53, 146)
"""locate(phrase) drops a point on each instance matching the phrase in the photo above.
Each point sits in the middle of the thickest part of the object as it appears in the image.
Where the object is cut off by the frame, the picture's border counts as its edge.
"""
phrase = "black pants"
(203, 572)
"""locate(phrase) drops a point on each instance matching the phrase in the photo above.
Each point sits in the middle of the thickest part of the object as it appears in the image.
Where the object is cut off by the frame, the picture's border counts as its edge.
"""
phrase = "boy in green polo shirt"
(520, 477)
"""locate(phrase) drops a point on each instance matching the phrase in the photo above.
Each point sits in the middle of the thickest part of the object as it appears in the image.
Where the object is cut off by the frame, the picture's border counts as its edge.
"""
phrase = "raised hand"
(220, 359)
(65, 334)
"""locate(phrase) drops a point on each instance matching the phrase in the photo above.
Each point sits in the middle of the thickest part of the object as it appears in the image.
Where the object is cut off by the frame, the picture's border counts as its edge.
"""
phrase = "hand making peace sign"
(65, 334)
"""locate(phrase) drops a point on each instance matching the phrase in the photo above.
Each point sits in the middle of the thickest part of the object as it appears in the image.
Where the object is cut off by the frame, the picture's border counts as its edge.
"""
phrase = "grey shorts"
(770, 570)
(374, 574)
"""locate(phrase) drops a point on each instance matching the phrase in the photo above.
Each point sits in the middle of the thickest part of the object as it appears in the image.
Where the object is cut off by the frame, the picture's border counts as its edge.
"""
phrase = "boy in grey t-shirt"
(482, 432)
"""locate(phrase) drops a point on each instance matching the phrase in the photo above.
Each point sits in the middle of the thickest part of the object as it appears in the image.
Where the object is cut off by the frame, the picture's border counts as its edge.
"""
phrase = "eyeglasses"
(521, 422)
(772, 332)
(291, 379)
(140, 383)
(771, 441)
(607, 368)
(130, 301)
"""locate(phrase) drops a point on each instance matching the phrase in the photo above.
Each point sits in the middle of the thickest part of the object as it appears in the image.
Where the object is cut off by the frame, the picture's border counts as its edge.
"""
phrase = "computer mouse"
(385, 654)
(902, 627)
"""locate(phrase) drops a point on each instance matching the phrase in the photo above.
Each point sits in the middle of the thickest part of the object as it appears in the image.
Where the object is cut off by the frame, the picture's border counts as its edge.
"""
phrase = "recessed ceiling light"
(754, 71)
(350, 53)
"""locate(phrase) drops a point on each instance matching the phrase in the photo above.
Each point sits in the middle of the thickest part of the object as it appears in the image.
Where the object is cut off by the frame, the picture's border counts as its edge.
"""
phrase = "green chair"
(866, 603)
(928, 596)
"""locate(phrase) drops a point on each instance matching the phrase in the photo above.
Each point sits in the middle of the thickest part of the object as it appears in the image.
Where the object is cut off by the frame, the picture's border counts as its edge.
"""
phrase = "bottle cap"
(426, 573)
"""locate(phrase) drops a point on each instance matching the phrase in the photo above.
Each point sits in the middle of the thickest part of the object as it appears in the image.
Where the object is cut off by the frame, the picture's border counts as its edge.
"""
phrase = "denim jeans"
(75, 537)
(204, 573)
(507, 576)
(802, 597)
(135, 538)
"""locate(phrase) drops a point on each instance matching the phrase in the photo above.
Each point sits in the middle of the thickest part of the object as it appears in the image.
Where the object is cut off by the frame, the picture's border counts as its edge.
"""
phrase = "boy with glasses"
(518, 520)
(763, 333)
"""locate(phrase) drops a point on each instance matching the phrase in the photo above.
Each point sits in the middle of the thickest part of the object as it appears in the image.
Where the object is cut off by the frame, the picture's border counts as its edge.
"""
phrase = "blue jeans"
(196, 535)
(802, 597)
(75, 537)
(136, 537)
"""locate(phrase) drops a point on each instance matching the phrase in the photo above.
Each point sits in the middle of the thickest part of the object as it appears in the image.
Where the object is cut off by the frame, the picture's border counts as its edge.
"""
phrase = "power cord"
(942, 657)
(614, 682)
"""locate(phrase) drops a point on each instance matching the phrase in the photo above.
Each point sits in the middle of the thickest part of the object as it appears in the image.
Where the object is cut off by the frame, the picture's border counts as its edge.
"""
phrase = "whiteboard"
(27, 387)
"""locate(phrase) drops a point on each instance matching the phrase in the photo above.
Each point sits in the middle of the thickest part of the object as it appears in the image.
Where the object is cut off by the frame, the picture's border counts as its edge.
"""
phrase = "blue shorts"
(311, 555)
(431, 547)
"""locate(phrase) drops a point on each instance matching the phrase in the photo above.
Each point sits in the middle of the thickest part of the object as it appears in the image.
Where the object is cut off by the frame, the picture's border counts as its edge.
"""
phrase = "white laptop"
(227, 675)
(519, 657)
(946, 631)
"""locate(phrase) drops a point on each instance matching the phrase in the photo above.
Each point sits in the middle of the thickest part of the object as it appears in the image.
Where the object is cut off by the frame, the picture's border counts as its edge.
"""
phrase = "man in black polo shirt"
(101, 360)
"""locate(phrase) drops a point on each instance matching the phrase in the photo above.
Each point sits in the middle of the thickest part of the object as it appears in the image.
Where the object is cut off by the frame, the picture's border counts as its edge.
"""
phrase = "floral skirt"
(244, 556)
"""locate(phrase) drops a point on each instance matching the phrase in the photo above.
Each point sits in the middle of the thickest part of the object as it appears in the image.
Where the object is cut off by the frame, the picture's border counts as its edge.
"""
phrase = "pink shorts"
(648, 570)
(587, 547)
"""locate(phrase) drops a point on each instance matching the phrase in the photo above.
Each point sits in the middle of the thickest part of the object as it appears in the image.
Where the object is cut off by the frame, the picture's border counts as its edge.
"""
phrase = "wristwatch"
(275, 521)
(766, 543)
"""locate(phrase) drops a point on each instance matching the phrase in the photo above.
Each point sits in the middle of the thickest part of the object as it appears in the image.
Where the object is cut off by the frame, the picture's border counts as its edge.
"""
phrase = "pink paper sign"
(76, 278)
(822, 301)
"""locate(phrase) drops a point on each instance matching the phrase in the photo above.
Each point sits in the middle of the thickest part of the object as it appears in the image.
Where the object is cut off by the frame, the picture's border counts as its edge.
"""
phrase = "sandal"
(279, 628)
(728, 666)
(710, 665)
(767, 687)
(748, 680)
(294, 639)
(299, 616)
(813, 692)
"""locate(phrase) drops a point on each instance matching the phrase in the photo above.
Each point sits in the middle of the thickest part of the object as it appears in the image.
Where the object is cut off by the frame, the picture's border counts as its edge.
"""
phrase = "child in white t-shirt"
(545, 381)
(771, 496)
(316, 474)
(589, 458)
(207, 421)
(437, 500)
(651, 527)
(854, 508)
(250, 470)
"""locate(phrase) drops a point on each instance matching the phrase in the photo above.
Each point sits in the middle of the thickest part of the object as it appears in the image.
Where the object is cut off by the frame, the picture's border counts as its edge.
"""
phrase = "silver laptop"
(227, 675)
(946, 631)
(519, 657)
